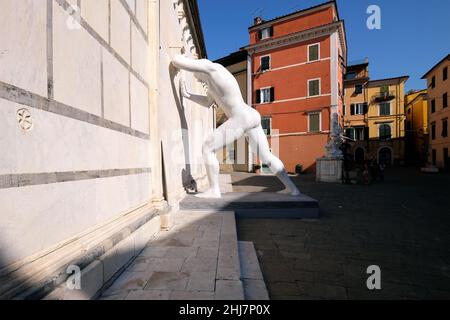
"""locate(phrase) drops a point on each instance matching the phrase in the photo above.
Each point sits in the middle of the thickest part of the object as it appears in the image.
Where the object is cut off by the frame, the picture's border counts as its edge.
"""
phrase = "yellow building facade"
(438, 113)
(374, 119)
(416, 109)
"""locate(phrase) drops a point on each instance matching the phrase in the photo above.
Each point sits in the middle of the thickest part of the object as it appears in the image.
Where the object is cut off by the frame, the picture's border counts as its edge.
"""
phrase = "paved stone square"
(197, 259)
(401, 225)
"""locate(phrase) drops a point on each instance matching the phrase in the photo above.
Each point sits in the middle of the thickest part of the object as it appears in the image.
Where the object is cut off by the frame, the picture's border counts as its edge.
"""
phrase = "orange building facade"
(296, 67)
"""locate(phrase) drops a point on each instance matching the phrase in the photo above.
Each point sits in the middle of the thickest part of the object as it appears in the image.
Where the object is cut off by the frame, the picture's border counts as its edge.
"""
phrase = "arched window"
(385, 132)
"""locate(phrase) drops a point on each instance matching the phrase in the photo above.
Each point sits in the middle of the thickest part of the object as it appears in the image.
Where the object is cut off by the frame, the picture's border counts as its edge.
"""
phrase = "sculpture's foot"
(210, 194)
(295, 193)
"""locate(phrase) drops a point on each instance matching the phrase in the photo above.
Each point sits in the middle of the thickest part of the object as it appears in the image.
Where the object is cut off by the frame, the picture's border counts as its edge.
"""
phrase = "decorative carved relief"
(24, 119)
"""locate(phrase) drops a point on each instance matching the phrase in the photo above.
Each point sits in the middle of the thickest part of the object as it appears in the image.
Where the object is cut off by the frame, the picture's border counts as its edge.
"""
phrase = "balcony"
(384, 96)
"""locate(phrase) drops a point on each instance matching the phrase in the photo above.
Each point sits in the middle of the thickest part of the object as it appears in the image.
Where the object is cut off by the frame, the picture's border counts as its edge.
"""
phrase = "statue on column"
(243, 120)
(333, 147)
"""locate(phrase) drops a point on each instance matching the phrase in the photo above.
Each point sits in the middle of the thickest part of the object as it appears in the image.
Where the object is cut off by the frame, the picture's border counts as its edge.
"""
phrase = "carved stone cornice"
(301, 36)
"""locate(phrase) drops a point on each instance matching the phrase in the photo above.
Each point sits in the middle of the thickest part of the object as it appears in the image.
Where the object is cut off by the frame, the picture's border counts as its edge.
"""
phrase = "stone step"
(258, 205)
(197, 258)
(104, 260)
(251, 275)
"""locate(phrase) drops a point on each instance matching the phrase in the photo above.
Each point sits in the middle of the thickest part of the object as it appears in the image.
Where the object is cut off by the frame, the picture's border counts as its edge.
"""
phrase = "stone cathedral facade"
(97, 147)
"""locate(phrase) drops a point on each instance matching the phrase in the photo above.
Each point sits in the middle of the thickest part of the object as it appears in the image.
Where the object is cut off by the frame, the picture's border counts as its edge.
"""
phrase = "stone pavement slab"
(401, 225)
(197, 259)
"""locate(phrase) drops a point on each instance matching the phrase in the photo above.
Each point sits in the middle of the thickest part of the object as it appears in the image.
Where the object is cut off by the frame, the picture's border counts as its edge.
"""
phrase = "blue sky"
(414, 35)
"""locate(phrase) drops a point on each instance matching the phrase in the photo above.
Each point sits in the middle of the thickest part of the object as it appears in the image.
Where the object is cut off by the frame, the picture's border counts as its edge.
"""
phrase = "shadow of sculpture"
(188, 181)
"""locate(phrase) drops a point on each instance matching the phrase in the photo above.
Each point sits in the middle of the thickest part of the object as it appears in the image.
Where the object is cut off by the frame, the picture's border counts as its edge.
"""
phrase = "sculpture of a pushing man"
(224, 90)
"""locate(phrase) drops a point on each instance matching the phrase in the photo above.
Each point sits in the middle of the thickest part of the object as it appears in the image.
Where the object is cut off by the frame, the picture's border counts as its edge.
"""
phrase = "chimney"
(258, 20)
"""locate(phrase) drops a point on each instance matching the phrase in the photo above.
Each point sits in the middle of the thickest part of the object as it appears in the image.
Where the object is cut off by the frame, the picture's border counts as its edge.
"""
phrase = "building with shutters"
(296, 66)
(374, 115)
(439, 112)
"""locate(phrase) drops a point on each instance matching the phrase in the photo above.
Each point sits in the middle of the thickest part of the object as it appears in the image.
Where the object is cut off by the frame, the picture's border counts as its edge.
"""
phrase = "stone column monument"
(329, 168)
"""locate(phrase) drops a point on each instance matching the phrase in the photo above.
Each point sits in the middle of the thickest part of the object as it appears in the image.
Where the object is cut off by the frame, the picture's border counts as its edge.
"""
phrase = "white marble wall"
(61, 144)
(23, 47)
(103, 71)
(35, 218)
(100, 69)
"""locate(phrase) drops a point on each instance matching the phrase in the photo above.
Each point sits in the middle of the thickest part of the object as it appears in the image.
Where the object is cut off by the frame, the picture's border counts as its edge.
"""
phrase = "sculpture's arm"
(205, 101)
(192, 65)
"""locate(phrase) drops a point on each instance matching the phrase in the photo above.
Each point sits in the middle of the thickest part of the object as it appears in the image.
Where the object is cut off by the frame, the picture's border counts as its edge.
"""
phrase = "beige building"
(438, 86)
(374, 117)
(237, 156)
(355, 107)
(416, 109)
(386, 120)
(97, 145)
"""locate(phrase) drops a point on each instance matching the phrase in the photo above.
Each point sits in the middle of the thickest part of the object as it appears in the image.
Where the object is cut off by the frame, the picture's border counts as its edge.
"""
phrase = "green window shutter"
(314, 89)
(314, 53)
(314, 122)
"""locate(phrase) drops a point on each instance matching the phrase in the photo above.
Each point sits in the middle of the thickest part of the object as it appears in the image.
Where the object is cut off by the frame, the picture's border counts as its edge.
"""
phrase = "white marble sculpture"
(224, 91)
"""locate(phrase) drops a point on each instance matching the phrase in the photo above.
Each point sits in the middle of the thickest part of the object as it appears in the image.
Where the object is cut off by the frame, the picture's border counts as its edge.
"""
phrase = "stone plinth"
(258, 205)
(329, 170)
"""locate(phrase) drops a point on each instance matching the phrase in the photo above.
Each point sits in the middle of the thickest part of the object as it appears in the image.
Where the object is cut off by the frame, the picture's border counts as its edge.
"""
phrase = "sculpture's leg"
(223, 136)
(260, 145)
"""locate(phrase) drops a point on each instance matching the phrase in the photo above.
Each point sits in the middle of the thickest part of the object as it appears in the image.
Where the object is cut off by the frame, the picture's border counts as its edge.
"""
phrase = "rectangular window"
(314, 122)
(433, 131)
(433, 106)
(313, 87)
(265, 33)
(350, 133)
(385, 131)
(231, 153)
(265, 95)
(433, 157)
(359, 134)
(433, 82)
(445, 74)
(266, 124)
(358, 109)
(358, 89)
(265, 63)
(444, 100)
(385, 109)
(445, 128)
(313, 52)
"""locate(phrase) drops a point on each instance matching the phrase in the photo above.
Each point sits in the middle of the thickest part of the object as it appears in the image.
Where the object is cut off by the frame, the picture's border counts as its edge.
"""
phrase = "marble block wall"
(75, 143)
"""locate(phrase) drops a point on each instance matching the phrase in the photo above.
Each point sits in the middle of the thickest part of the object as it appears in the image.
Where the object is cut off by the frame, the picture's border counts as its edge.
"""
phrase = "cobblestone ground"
(401, 225)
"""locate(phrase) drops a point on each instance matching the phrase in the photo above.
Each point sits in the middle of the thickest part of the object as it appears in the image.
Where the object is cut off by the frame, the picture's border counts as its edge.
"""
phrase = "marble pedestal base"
(258, 205)
(329, 170)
